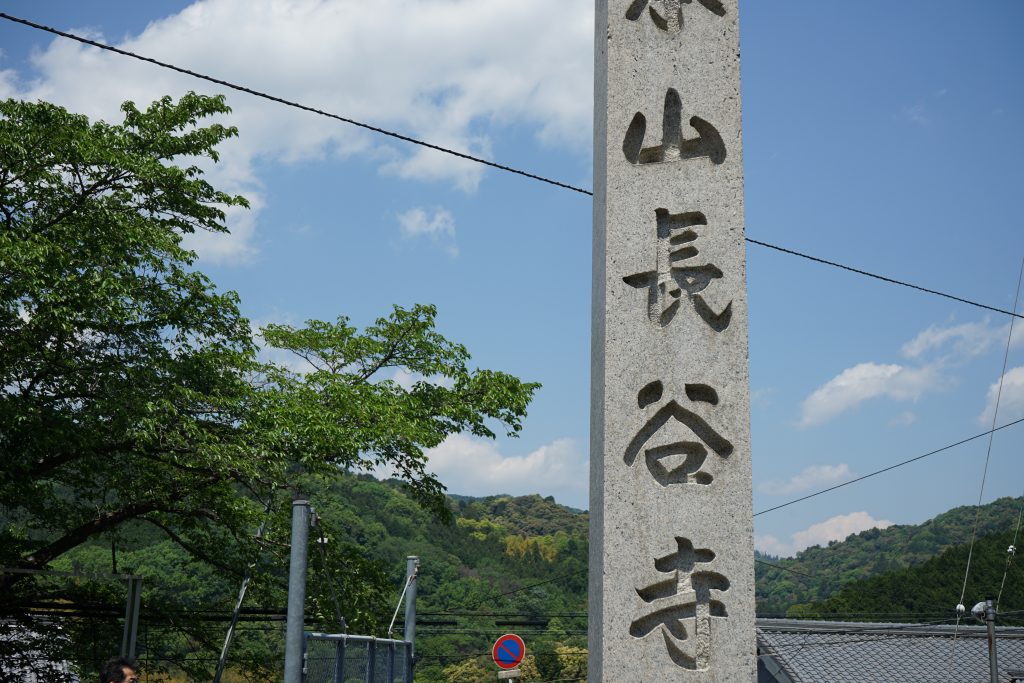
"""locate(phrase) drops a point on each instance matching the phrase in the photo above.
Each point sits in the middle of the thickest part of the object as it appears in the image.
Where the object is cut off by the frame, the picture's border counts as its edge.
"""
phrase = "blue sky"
(883, 135)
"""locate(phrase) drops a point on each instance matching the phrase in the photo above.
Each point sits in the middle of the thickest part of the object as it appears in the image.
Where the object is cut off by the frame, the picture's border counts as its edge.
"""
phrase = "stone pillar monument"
(671, 566)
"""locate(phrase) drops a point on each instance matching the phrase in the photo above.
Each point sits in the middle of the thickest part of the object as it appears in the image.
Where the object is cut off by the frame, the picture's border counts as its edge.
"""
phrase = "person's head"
(119, 670)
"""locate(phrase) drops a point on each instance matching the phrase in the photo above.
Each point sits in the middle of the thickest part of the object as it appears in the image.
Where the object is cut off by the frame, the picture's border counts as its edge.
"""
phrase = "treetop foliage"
(132, 392)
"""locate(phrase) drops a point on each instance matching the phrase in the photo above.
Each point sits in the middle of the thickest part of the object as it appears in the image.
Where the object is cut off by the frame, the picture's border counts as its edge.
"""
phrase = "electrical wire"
(831, 616)
(785, 569)
(878, 629)
(461, 155)
(290, 103)
(322, 544)
(1011, 552)
(984, 474)
(881, 634)
(550, 181)
(509, 615)
(889, 468)
(511, 592)
(868, 638)
(883, 278)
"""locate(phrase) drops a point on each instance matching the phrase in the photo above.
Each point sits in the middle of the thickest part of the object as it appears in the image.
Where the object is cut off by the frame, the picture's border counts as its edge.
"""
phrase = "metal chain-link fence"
(356, 659)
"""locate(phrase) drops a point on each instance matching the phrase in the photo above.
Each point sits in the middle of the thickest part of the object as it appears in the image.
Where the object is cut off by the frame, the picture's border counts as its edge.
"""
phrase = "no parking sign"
(508, 651)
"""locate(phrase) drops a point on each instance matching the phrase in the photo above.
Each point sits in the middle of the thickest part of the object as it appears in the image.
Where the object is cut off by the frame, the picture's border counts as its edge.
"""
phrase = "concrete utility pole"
(412, 568)
(294, 648)
(671, 532)
(990, 622)
(131, 617)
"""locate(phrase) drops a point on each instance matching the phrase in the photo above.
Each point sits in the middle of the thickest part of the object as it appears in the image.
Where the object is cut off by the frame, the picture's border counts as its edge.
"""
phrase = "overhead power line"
(290, 103)
(883, 278)
(461, 155)
(1011, 552)
(887, 469)
(991, 436)
(505, 615)
(497, 596)
(984, 477)
(785, 569)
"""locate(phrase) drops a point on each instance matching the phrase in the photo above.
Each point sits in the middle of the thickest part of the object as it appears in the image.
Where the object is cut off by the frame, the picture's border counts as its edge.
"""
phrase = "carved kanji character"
(695, 452)
(668, 14)
(674, 147)
(686, 594)
(675, 237)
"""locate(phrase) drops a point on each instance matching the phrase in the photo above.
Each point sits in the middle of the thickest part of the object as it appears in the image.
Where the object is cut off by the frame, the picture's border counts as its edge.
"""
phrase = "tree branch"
(184, 545)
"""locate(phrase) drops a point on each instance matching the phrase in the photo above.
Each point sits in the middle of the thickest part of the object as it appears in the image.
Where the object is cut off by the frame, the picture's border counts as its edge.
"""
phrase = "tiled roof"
(845, 652)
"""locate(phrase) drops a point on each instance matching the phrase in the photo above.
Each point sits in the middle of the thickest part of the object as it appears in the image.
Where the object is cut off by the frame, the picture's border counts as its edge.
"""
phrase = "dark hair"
(113, 670)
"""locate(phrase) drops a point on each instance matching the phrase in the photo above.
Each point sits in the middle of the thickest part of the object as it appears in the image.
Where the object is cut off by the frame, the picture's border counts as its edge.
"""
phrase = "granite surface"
(672, 574)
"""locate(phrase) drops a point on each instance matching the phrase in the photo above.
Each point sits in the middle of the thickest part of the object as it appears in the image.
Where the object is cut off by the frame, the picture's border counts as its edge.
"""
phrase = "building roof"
(797, 651)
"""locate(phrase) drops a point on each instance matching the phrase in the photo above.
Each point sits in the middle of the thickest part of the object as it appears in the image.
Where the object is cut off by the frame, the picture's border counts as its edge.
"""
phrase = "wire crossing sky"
(455, 153)
(854, 147)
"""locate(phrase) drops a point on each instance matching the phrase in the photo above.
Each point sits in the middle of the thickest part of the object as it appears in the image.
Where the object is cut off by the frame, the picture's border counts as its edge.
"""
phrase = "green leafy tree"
(345, 411)
(123, 371)
(132, 397)
(572, 662)
(473, 670)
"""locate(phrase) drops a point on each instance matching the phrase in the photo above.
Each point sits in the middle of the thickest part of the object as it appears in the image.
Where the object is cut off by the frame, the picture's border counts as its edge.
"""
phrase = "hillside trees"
(132, 392)
(930, 590)
(816, 573)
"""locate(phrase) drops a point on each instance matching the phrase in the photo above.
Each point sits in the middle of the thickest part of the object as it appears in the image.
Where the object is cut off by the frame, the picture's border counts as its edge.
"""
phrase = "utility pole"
(412, 568)
(294, 648)
(131, 617)
(990, 622)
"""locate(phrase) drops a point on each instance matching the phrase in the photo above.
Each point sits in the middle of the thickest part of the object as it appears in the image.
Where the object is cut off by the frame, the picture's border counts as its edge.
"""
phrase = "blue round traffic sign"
(508, 651)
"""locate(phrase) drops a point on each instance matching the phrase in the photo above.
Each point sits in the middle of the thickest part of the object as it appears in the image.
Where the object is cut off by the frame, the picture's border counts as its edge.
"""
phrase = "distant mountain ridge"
(815, 574)
(538, 525)
(930, 591)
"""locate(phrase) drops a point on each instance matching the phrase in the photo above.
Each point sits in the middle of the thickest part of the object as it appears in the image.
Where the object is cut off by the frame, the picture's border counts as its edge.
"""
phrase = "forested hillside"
(503, 564)
(506, 564)
(818, 572)
(930, 590)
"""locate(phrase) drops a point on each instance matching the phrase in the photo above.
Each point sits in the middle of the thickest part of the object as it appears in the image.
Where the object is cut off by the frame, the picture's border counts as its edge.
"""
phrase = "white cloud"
(936, 351)
(855, 385)
(440, 70)
(815, 476)
(438, 226)
(904, 419)
(407, 380)
(835, 529)
(960, 342)
(771, 545)
(237, 245)
(281, 357)
(1011, 402)
(762, 398)
(917, 114)
(473, 466)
